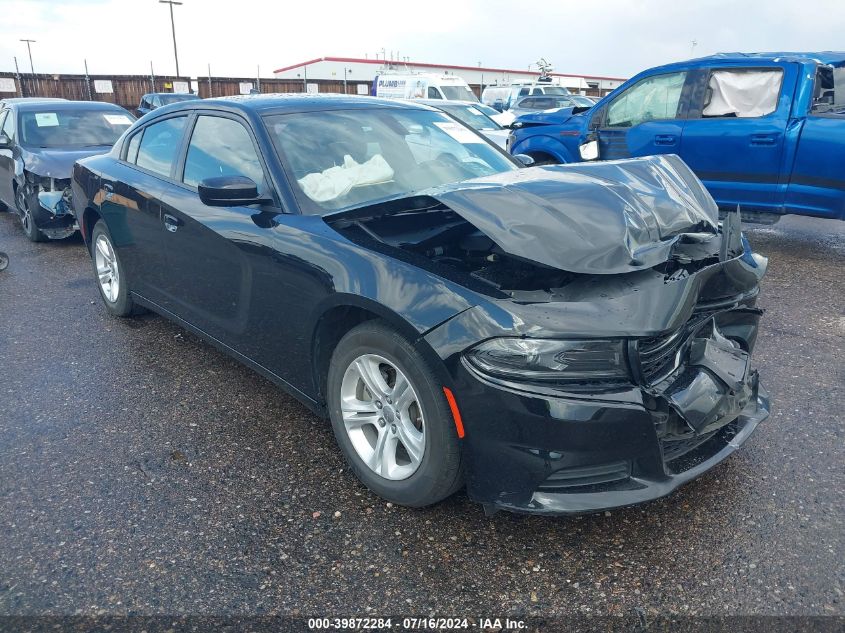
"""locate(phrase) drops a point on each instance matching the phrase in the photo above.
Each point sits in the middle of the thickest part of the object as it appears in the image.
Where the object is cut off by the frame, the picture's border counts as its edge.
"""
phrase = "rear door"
(817, 182)
(734, 135)
(645, 119)
(131, 204)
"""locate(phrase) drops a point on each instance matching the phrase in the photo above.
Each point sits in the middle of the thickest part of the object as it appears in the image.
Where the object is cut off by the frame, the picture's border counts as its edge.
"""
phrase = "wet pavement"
(142, 472)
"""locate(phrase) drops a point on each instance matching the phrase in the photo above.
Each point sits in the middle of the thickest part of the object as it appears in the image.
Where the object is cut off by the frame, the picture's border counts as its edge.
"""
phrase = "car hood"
(555, 116)
(57, 162)
(595, 218)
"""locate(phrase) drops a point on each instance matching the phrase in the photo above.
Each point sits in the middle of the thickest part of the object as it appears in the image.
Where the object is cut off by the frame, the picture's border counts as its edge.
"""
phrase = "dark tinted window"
(221, 147)
(160, 145)
(175, 98)
(432, 93)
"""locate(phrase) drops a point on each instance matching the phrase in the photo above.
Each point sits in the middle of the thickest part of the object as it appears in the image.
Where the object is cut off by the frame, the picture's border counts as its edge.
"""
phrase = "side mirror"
(589, 150)
(228, 191)
(525, 159)
(5, 141)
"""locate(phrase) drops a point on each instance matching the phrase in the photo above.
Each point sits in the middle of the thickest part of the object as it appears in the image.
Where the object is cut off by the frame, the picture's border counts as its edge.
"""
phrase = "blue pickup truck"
(765, 131)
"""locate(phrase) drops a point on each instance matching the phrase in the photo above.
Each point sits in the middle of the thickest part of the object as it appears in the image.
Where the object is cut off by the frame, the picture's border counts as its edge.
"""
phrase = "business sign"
(245, 87)
(312, 89)
(363, 89)
(7, 84)
(181, 87)
(103, 86)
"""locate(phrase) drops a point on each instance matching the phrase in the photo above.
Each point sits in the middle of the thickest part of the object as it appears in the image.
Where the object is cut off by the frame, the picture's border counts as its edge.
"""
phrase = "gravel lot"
(143, 472)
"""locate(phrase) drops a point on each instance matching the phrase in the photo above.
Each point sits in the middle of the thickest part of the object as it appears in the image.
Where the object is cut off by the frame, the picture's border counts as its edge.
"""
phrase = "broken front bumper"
(546, 452)
(54, 213)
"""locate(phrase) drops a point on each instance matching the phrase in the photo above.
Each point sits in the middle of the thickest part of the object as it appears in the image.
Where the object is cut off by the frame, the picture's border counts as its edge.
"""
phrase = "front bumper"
(53, 214)
(548, 452)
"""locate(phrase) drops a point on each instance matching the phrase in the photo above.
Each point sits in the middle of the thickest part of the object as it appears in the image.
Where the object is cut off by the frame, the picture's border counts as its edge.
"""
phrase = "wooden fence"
(127, 90)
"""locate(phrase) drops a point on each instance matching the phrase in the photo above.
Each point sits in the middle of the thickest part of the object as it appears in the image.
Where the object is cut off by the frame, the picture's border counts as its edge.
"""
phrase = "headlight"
(547, 360)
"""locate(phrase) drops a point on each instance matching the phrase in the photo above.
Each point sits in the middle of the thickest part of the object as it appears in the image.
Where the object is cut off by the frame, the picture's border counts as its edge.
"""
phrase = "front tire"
(110, 273)
(391, 419)
(24, 199)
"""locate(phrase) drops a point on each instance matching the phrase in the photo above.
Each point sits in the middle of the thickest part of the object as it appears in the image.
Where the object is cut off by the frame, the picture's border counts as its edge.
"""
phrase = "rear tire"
(411, 424)
(110, 274)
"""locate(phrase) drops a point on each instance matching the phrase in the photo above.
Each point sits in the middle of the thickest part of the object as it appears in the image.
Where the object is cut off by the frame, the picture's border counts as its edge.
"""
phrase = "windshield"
(458, 93)
(347, 158)
(73, 128)
(829, 91)
(555, 90)
(175, 98)
(471, 116)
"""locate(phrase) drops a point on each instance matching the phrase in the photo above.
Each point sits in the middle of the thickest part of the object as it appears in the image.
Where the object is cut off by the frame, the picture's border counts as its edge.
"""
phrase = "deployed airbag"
(743, 93)
(595, 218)
(337, 181)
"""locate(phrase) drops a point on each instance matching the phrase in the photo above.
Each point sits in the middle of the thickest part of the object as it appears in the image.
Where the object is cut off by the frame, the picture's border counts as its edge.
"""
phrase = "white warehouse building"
(363, 71)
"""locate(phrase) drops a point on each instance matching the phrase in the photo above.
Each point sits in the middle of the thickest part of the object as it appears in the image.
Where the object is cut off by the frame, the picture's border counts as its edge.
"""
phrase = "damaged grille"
(659, 355)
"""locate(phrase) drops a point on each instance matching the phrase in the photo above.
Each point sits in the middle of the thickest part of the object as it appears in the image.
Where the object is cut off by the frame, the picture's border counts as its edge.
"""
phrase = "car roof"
(290, 102)
(169, 94)
(64, 106)
(29, 99)
(822, 57)
(439, 102)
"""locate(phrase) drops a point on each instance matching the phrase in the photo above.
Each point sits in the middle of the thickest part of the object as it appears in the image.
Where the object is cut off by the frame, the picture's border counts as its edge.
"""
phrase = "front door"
(645, 119)
(209, 249)
(7, 162)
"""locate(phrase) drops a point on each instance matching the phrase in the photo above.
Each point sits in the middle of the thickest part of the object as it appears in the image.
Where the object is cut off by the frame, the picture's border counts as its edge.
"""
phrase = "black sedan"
(40, 139)
(559, 339)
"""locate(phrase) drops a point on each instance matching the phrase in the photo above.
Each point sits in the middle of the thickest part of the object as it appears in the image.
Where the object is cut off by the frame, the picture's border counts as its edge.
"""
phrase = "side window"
(527, 103)
(537, 91)
(132, 148)
(523, 92)
(544, 103)
(9, 125)
(829, 91)
(3, 114)
(650, 99)
(742, 93)
(155, 101)
(433, 93)
(221, 147)
(159, 145)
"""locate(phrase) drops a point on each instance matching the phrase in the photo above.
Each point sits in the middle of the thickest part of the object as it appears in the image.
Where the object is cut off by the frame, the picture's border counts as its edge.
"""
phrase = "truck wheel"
(391, 419)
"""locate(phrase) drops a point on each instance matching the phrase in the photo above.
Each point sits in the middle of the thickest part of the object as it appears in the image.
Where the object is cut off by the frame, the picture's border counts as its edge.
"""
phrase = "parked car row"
(556, 339)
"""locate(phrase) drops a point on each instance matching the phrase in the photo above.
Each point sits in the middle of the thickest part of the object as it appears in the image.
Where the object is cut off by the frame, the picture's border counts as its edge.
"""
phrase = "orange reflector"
(456, 415)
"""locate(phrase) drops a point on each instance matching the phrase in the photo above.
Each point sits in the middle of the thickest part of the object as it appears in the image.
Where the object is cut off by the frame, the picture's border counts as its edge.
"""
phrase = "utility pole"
(258, 77)
(692, 48)
(173, 29)
(29, 50)
(18, 76)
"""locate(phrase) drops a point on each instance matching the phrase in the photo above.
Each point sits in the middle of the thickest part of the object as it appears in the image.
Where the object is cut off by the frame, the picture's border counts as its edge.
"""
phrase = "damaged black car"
(40, 139)
(557, 339)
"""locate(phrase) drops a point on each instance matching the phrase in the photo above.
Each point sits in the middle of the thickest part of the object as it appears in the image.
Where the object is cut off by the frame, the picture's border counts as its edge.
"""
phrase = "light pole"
(173, 29)
(29, 50)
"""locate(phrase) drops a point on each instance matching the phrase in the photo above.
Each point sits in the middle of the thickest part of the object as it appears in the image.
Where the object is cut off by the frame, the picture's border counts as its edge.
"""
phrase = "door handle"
(764, 139)
(665, 139)
(171, 223)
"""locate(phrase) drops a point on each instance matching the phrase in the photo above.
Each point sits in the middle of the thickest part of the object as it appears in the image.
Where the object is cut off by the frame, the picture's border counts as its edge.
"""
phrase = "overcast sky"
(597, 37)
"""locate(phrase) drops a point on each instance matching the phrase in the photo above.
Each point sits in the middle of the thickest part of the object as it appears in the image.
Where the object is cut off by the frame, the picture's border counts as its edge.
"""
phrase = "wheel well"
(543, 158)
(89, 219)
(332, 327)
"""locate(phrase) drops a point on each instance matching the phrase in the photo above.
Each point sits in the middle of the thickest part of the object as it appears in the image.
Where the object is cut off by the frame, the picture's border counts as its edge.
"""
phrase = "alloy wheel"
(25, 213)
(108, 275)
(382, 417)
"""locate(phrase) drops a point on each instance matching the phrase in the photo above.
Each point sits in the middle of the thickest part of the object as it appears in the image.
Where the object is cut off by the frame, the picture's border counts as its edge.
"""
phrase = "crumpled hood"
(595, 218)
(57, 163)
